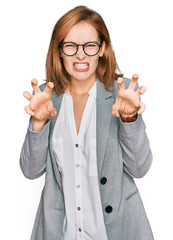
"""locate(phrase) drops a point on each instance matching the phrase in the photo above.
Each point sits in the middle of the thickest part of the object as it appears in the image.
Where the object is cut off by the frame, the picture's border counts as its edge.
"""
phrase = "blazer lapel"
(57, 104)
(104, 102)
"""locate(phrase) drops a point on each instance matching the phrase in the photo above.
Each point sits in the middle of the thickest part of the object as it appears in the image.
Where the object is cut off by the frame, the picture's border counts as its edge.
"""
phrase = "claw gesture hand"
(127, 103)
(41, 107)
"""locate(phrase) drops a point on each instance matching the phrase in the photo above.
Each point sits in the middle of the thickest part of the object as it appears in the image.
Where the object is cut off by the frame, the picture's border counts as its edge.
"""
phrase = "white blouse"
(77, 162)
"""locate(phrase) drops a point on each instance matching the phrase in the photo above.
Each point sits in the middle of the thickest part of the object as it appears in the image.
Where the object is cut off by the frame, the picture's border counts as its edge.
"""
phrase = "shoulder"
(126, 82)
(54, 95)
(42, 86)
(56, 100)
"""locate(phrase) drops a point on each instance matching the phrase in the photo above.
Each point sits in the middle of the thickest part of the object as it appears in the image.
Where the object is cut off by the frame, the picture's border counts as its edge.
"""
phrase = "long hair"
(107, 66)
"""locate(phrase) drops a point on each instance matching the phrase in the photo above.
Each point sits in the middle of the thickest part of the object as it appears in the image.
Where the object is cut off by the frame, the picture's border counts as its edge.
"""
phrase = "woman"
(88, 135)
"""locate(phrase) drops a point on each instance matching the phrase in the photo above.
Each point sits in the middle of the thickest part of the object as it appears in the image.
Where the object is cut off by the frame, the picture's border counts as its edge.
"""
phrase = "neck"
(81, 87)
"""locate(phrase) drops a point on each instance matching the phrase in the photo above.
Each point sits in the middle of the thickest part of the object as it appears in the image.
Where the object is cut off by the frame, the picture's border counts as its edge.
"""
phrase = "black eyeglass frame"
(77, 45)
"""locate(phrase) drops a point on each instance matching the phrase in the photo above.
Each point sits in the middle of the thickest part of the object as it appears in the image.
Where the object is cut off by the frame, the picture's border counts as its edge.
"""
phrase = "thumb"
(53, 113)
(115, 110)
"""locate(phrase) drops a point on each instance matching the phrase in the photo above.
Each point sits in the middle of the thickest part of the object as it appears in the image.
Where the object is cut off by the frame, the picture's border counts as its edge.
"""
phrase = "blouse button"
(80, 230)
(77, 165)
(78, 186)
(76, 145)
(78, 208)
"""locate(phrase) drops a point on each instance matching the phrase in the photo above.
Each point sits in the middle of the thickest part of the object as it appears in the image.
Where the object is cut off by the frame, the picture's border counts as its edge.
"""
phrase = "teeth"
(81, 65)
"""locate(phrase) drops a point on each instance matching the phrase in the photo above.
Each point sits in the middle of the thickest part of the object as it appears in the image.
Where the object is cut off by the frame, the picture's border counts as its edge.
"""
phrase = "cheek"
(92, 59)
(94, 62)
(66, 63)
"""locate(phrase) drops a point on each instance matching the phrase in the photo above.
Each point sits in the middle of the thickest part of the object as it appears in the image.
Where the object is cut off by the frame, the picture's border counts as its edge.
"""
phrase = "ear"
(102, 49)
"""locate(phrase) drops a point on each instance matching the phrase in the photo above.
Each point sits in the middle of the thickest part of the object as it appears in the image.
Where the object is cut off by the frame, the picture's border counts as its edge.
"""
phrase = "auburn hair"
(107, 66)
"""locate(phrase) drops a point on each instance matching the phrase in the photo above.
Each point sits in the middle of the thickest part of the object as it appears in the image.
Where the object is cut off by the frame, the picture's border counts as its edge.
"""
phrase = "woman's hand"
(127, 103)
(41, 107)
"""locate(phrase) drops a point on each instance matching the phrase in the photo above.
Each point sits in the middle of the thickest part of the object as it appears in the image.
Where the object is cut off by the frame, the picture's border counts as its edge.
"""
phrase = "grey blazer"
(123, 153)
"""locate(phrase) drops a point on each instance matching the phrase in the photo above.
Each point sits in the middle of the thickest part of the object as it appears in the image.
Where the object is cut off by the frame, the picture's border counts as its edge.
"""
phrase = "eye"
(91, 45)
(69, 45)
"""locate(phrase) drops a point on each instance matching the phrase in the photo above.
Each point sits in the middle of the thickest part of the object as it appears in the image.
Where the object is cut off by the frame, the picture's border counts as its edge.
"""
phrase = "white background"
(141, 33)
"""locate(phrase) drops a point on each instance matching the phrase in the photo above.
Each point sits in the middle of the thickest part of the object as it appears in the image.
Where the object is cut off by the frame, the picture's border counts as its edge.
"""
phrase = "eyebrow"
(79, 43)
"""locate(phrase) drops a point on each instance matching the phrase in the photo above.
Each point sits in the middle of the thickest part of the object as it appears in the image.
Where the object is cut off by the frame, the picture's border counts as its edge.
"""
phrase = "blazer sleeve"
(137, 155)
(34, 152)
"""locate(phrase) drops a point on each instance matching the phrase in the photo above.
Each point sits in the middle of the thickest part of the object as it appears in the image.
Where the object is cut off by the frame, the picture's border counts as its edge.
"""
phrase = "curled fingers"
(28, 110)
(142, 107)
(141, 90)
(35, 86)
(27, 95)
(115, 111)
(49, 87)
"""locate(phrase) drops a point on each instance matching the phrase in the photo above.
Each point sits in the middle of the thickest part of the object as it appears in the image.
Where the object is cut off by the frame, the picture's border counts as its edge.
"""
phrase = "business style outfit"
(89, 190)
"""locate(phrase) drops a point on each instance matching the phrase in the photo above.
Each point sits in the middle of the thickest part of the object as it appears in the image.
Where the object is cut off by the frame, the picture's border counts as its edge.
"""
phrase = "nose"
(80, 53)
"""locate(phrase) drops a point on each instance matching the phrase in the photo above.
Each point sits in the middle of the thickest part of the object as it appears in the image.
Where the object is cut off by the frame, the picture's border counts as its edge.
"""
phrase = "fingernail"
(142, 90)
(51, 84)
(34, 81)
(120, 80)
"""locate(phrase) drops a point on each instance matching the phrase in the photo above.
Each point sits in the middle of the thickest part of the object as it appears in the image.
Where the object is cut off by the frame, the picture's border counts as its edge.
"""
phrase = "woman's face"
(81, 33)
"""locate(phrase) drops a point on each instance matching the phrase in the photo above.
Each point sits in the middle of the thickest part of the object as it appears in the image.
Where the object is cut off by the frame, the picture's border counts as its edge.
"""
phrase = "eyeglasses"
(89, 48)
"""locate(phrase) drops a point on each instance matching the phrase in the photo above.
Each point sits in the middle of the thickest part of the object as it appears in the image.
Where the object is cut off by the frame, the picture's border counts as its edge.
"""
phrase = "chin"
(83, 76)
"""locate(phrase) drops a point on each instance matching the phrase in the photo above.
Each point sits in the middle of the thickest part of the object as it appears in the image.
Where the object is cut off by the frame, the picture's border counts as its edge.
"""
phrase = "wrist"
(38, 125)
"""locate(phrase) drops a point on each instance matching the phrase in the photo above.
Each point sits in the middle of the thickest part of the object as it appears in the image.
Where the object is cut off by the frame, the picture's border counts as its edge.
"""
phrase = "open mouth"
(81, 67)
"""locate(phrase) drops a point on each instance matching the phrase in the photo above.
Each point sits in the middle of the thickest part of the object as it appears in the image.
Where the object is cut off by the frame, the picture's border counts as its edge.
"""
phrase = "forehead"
(81, 33)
